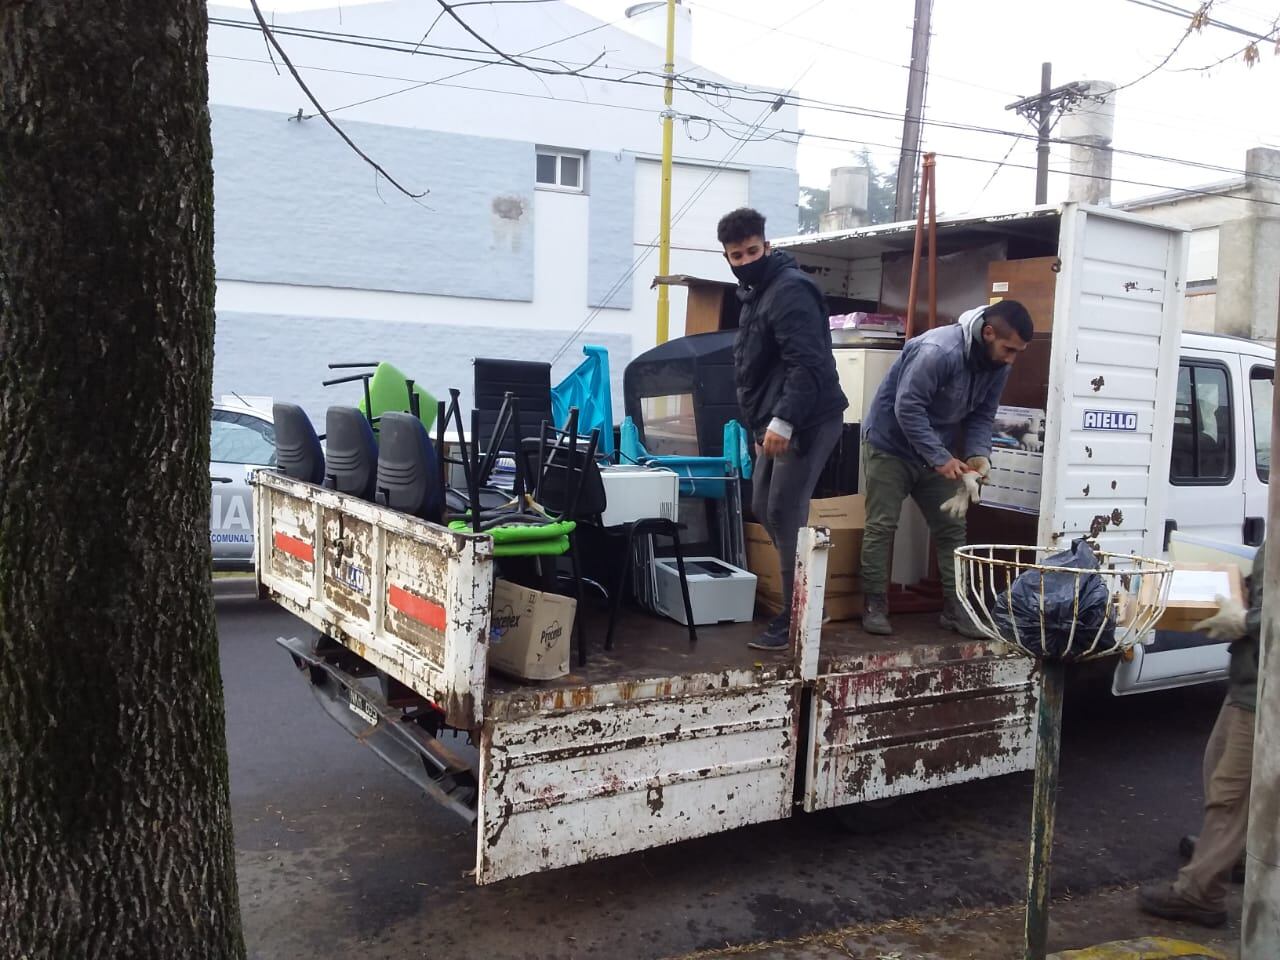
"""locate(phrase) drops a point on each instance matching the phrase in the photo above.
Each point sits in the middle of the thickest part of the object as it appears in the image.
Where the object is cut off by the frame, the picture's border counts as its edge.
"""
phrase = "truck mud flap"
(409, 749)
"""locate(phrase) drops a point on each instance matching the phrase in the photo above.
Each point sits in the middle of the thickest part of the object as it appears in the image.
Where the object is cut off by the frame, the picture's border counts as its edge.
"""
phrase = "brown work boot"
(956, 617)
(1162, 900)
(875, 616)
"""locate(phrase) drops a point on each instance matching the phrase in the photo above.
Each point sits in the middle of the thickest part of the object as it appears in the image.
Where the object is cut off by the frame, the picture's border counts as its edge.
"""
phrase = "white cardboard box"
(530, 631)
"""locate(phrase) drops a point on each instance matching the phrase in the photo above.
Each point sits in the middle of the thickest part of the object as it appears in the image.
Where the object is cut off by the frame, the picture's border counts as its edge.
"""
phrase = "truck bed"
(652, 657)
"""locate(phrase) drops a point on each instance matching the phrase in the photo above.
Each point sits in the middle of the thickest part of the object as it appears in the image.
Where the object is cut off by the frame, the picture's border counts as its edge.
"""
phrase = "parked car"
(242, 439)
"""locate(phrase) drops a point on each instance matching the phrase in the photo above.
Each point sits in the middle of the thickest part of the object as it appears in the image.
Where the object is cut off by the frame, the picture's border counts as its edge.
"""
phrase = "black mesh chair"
(497, 382)
(351, 453)
(408, 472)
(298, 451)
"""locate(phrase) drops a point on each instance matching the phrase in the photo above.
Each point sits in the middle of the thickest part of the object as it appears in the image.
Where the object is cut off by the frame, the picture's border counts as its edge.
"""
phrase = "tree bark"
(115, 829)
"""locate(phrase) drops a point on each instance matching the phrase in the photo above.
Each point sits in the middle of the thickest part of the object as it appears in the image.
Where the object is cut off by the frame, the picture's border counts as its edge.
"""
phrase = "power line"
(1162, 6)
(1194, 191)
(749, 94)
(698, 4)
(1194, 24)
(329, 120)
(676, 217)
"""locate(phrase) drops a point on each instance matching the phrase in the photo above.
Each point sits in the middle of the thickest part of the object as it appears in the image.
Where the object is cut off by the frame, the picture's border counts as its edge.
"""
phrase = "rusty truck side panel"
(410, 597)
(895, 728)
(590, 783)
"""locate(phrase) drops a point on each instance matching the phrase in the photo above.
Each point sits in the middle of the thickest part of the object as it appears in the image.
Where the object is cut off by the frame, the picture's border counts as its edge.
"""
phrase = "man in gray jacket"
(1199, 894)
(940, 396)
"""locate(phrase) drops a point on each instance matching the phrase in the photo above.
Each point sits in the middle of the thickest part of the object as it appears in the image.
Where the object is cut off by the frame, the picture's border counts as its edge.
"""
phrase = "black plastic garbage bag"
(1055, 592)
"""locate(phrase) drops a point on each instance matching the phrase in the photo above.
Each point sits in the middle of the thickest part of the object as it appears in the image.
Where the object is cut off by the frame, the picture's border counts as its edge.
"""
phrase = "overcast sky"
(985, 54)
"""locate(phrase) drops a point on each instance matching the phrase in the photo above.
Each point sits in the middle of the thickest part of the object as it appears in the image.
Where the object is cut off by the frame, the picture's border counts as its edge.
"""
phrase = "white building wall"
(363, 85)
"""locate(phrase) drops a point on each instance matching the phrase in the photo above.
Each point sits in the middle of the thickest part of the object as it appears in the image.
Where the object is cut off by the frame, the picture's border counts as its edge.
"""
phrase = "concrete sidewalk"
(1079, 928)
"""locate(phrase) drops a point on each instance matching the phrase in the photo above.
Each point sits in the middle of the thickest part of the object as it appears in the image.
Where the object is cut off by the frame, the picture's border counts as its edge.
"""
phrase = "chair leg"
(577, 583)
(684, 584)
(615, 599)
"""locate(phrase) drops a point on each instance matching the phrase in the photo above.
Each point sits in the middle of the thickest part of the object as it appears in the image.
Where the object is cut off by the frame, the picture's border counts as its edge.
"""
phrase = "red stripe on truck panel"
(419, 608)
(295, 548)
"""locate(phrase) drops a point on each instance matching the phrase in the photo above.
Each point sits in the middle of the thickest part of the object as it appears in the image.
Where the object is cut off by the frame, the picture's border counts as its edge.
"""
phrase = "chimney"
(847, 199)
(1088, 127)
(648, 21)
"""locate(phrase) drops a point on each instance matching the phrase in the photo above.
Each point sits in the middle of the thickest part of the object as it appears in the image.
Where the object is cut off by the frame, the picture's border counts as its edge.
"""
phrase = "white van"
(1219, 466)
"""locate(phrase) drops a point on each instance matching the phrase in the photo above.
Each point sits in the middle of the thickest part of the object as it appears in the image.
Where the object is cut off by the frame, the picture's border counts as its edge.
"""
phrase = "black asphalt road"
(339, 857)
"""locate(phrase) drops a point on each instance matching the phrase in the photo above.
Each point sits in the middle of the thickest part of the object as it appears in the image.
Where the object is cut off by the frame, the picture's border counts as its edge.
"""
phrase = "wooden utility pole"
(1040, 110)
(908, 161)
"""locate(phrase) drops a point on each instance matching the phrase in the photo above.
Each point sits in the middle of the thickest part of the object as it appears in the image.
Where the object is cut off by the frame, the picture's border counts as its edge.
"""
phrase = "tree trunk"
(115, 830)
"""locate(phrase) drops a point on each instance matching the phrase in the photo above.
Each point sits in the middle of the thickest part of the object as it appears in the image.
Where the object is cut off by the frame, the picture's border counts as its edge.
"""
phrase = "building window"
(560, 170)
(1203, 427)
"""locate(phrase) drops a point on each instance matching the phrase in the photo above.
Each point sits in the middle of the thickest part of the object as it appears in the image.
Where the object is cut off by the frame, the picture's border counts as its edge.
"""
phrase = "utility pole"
(1260, 919)
(664, 216)
(904, 203)
(1040, 109)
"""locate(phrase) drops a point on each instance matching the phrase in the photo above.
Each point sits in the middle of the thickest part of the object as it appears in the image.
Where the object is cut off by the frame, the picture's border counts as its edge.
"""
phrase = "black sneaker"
(776, 636)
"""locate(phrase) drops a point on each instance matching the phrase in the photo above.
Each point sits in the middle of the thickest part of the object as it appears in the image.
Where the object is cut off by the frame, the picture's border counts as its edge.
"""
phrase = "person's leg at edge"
(930, 493)
(888, 482)
(1199, 893)
(793, 477)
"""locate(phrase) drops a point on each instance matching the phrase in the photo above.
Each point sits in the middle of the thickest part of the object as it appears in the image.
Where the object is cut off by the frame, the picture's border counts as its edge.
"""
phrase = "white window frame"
(560, 155)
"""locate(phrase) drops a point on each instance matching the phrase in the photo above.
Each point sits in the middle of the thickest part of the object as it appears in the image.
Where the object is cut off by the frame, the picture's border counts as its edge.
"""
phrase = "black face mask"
(750, 274)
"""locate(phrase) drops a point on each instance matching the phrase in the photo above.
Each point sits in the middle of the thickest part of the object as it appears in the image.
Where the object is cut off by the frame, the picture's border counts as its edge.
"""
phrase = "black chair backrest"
(351, 453)
(569, 485)
(527, 380)
(298, 451)
(408, 472)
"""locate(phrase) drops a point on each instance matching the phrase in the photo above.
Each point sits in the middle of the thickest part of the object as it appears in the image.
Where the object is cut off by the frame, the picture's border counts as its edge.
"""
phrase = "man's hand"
(775, 445)
(1227, 624)
(953, 469)
(979, 465)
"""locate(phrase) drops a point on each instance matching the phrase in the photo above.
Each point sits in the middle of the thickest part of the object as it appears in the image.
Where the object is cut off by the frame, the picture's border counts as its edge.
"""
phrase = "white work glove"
(968, 492)
(1227, 623)
(980, 465)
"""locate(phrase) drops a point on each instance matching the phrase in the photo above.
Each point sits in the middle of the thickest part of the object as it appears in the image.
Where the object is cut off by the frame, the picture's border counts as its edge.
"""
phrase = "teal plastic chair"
(588, 389)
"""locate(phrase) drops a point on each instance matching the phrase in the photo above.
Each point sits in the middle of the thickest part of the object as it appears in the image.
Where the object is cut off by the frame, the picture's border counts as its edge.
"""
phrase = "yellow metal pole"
(664, 218)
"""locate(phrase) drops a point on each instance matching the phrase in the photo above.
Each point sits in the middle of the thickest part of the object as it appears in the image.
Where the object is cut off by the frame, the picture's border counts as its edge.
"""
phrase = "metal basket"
(1137, 588)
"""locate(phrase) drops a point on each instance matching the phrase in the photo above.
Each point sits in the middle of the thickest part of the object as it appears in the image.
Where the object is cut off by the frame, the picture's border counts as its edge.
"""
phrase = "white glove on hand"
(980, 465)
(1227, 623)
(969, 492)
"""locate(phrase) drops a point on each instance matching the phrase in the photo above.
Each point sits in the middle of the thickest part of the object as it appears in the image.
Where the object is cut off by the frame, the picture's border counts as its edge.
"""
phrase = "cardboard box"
(845, 517)
(529, 632)
(1192, 591)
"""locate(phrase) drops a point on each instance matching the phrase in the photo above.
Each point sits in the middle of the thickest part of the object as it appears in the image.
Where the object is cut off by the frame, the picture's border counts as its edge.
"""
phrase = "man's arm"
(798, 331)
(917, 384)
(978, 425)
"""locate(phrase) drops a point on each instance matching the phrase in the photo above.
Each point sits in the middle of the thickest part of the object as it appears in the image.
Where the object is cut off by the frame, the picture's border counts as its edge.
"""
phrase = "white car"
(242, 439)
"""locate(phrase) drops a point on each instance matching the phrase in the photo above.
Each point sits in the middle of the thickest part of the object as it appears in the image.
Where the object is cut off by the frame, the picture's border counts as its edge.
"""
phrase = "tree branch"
(319, 109)
(449, 8)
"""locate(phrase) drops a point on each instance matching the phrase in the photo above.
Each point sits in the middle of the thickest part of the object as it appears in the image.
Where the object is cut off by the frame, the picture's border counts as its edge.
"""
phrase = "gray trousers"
(781, 488)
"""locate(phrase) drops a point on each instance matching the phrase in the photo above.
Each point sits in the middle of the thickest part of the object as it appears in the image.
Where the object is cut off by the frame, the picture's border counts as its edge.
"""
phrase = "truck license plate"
(362, 708)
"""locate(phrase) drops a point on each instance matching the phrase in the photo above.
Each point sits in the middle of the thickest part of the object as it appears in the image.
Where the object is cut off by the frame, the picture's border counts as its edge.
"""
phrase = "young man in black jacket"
(788, 390)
